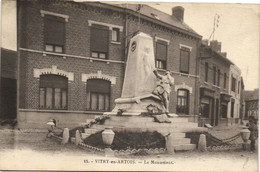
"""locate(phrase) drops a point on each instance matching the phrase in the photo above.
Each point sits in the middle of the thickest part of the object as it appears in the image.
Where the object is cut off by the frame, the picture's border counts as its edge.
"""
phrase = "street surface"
(32, 151)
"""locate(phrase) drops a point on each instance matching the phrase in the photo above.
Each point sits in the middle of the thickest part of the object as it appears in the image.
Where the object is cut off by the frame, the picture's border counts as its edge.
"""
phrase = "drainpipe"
(196, 102)
(18, 11)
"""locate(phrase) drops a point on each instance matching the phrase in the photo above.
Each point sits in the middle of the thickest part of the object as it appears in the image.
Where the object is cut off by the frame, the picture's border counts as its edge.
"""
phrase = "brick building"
(214, 84)
(72, 58)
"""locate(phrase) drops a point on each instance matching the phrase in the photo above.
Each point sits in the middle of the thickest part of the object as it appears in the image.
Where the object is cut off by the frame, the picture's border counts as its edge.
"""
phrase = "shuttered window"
(99, 41)
(98, 95)
(184, 60)
(53, 92)
(206, 71)
(225, 80)
(54, 34)
(161, 54)
(214, 75)
(218, 83)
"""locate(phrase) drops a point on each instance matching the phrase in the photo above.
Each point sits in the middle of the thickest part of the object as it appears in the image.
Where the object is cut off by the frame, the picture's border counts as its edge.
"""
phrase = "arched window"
(53, 92)
(98, 95)
(182, 101)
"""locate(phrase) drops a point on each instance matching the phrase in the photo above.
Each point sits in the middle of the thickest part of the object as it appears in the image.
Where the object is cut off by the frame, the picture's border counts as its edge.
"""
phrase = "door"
(212, 111)
(217, 112)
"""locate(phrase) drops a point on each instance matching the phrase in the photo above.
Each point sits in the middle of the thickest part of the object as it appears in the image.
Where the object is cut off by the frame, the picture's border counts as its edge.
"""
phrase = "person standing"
(163, 88)
(252, 126)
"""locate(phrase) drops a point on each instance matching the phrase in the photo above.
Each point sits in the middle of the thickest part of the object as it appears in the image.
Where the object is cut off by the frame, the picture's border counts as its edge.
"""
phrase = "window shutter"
(99, 39)
(184, 61)
(161, 50)
(55, 31)
(53, 81)
(98, 85)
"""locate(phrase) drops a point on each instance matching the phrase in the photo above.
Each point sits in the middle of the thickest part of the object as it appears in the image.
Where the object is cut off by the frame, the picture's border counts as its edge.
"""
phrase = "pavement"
(21, 150)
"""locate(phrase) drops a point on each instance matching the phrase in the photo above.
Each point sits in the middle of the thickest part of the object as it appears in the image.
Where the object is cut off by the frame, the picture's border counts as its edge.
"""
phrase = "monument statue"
(163, 88)
(140, 84)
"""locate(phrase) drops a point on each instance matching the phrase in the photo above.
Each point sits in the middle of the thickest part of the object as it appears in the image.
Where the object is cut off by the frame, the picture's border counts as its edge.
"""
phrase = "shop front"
(207, 106)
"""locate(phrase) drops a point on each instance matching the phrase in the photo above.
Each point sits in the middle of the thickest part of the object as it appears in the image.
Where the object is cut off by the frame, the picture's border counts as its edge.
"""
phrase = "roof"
(161, 16)
(251, 95)
(153, 14)
(219, 55)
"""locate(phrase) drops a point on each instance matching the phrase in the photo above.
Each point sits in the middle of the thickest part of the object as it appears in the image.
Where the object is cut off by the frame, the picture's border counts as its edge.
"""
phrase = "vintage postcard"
(129, 86)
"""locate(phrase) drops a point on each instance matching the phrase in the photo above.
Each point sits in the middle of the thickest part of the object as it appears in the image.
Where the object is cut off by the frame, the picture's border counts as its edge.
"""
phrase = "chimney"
(205, 42)
(178, 12)
(215, 45)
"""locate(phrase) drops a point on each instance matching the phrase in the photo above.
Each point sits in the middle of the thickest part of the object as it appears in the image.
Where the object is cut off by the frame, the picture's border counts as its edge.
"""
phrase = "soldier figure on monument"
(163, 88)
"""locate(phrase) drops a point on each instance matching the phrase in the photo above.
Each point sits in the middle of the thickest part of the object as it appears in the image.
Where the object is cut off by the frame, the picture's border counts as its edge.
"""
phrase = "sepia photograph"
(129, 86)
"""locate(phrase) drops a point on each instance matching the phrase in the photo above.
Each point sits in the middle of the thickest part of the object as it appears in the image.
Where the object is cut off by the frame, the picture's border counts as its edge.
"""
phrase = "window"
(161, 54)
(214, 75)
(115, 34)
(184, 60)
(206, 71)
(54, 34)
(99, 41)
(218, 83)
(98, 95)
(183, 102)
(233, 84)
(225, 80)
(238, 87)
(53, 92)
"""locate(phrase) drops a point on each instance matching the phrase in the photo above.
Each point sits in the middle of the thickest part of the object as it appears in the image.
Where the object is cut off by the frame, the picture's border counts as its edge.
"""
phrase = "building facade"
(251, 99)
(214, 84)
(72, 58)
(234, 91)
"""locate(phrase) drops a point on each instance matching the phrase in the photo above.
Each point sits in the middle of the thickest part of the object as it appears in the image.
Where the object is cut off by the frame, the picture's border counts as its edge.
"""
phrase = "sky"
(8, 25)
(239, 27)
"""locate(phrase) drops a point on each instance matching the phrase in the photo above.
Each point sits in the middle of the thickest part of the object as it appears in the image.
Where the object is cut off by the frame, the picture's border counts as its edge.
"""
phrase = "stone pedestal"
(78, 138)
(170, 145)
(246, 146)
(109, 152)
(202, 146)
(65, 136)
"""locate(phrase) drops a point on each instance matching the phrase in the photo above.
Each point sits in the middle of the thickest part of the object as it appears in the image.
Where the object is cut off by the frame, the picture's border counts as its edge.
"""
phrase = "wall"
(77, 44)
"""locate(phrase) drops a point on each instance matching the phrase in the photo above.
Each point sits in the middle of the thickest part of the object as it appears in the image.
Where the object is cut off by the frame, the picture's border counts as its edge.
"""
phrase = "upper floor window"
(53, 92)
(98, 95)
(233, 84)
(214, 75)
(115, 34)
(225, 80)
(184, 60)
(161, 54)
(218, 83)
(206, 71)
(99, 41)
(238, 87)
(54, 28)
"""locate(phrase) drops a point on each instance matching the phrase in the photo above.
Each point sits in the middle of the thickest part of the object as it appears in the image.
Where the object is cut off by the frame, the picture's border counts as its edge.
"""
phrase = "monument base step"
(185, 147)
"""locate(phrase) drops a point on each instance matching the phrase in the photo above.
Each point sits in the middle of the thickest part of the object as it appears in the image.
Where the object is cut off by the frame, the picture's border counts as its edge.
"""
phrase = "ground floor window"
(53, 92)
(98, 95)
(205, 110)
(183, 101)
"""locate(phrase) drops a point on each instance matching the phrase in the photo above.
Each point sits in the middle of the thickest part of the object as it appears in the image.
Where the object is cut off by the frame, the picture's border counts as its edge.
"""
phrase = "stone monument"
(140, 80)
